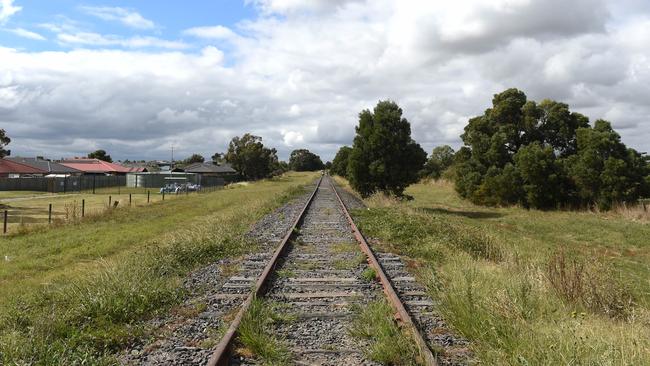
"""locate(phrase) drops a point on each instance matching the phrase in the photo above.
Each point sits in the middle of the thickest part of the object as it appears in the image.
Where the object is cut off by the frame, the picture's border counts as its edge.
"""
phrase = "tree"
(251, 158)
(340, 162)
(101, 155)
(384, 157)
(544, 156)
(328, 165)
(218, 158)
(442, 157)
(302, 160)
(195, 158)
(4, 141)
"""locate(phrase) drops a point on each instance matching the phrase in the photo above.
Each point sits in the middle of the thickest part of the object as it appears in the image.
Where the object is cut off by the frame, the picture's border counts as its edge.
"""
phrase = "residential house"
(52, 169)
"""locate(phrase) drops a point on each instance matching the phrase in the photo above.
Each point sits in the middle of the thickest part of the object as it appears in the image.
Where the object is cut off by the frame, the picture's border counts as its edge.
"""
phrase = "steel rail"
(390, 292)
(221, 354)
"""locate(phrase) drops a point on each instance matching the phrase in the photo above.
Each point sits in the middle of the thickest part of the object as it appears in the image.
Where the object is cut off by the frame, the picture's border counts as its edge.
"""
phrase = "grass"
(369, 275)
(255, 333)
(525, 286)
(33, 210)
(76, 294)
(387, 343)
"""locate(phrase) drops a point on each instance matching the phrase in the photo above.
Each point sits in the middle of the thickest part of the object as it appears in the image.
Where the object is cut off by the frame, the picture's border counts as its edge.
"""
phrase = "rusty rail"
(221, 352)
(394, 300)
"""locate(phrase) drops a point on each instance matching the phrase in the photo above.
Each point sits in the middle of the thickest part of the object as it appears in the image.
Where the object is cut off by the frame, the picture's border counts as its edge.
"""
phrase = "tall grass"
(525, 287)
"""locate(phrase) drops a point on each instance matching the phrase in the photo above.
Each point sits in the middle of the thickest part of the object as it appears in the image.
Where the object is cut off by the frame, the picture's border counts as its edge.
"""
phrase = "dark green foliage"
(302, 160)
(340, 162)
(384, 157)
(251, 158)
(544, 156)
(101, 155)
(4, 141)
(442, 157)
(195, 158)
(218, 158)
(328, 165)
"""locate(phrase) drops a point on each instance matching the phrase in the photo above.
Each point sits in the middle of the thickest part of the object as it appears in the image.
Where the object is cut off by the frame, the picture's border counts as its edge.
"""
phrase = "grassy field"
(75, 294)
(526, 287)
(31, 208)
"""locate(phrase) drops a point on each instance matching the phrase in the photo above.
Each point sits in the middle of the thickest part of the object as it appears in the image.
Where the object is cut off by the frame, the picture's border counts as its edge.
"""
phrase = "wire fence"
(20, 213)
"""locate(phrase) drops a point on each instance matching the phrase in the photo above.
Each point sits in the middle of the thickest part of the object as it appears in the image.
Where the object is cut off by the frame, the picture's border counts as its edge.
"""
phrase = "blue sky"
(135, 77)
(168, 18)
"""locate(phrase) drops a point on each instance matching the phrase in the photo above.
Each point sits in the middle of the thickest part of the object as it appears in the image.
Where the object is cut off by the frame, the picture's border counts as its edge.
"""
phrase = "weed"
(388, 344)
(256, 334)
(285, 273)
(590, 285)
(369, 274)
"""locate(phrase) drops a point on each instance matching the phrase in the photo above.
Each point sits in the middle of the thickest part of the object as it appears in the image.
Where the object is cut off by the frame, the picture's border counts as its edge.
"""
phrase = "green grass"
(369, 275)
(526, 287)
(21, 194)
(25, 214)
(387, 343)
(76, 294)
(255, 333)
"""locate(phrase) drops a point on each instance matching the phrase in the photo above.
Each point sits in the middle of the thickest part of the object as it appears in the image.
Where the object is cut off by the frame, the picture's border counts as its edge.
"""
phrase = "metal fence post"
(110, 198)
(4, 227)
(148, 194)
(163, 195)
(129, 199)
(83, 208)
(49, 214)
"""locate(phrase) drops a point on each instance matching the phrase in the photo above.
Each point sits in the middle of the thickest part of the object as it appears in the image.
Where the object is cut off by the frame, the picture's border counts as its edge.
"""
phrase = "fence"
(71, 208)
(62, 185)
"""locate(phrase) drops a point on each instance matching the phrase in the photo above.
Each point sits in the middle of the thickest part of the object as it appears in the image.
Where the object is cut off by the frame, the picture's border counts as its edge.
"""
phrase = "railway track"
(316, 272)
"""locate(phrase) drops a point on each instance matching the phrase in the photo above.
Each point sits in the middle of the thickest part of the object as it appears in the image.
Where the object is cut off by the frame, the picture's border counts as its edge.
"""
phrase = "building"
(210, 174)
(95, 166)
(51, 168)
(12, 169)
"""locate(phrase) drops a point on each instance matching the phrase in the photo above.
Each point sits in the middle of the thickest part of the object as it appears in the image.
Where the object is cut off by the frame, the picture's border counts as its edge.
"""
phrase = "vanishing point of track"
(326, 279)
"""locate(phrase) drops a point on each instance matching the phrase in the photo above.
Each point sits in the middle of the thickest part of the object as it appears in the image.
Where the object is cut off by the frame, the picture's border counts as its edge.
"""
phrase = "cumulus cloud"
(300, 79)
(7, 10)
(127, 17)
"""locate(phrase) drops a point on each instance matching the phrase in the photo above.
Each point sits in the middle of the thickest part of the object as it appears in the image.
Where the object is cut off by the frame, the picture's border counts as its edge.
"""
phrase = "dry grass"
(590, 284)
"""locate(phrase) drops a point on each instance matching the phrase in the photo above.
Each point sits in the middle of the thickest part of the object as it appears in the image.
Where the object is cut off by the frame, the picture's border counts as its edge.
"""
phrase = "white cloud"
(27, 34)
(127, 17)
(7, 10)
(211, 32)
(300, 79)
(99, 40)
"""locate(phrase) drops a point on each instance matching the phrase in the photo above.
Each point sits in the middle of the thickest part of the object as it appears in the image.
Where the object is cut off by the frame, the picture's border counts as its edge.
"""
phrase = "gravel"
(187, 334)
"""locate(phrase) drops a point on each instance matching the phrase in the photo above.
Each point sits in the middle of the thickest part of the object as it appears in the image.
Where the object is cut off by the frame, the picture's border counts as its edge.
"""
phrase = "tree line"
(539, 155)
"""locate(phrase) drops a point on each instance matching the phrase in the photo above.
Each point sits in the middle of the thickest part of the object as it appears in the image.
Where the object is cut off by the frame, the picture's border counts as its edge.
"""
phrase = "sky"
(136, 77)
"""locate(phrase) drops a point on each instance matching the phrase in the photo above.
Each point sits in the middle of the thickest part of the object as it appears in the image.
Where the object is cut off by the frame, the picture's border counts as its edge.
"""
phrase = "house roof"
(11, 167)
(46, 165)
(209, 168)
(94, 166)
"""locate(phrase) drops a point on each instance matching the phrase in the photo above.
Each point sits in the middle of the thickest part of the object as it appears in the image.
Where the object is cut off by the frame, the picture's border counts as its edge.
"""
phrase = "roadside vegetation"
(526, 287)
(76, 294)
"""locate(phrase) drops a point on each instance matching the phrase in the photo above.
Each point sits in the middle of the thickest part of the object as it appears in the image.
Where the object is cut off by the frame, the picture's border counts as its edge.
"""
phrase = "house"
(50, 167)
(95, 166)
(12, 169)
(212, 170)
(210, 174)
(137, 167)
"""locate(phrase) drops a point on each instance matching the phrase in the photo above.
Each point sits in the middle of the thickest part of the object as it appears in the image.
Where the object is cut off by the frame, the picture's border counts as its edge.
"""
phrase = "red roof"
(12, 167)
(94, 166)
